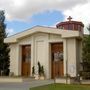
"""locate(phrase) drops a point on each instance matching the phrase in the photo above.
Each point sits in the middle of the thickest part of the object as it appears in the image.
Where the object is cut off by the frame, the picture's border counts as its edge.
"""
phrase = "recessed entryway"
(26, 60)
(56, 60)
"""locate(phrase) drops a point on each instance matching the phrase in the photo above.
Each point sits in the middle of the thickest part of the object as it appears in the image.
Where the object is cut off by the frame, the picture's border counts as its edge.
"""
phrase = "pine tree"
(86, 55)
(4, 48)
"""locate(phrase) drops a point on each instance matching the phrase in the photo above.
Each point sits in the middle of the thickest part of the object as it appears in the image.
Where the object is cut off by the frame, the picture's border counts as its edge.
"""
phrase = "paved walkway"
(24, 85)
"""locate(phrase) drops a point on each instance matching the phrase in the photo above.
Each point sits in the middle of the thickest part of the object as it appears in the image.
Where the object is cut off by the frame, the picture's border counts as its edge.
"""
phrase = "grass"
(62, 87)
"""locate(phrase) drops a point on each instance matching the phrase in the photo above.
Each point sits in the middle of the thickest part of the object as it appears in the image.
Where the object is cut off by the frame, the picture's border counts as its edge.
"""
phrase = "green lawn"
(62, 87)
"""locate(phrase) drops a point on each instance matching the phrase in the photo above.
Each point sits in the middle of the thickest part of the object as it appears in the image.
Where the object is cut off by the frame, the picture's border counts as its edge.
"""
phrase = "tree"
(4, 48)
(86, 55)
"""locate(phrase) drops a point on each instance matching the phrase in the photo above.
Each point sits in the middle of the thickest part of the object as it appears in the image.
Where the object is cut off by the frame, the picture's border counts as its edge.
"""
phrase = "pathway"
(24, 85)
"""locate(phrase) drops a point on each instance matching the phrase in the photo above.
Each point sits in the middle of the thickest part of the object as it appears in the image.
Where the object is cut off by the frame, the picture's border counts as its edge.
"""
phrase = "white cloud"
(80, 13)
(22, 9)
(10, 31)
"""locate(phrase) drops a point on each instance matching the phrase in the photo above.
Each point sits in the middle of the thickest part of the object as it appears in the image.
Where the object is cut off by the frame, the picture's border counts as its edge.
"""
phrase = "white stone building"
(57, 49)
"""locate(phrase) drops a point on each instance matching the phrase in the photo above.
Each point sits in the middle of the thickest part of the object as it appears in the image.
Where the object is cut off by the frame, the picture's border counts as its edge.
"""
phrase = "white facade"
(40, 39)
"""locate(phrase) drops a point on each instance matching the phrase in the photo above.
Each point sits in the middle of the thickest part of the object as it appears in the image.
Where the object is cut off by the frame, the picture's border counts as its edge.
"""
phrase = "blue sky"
(24, 14)
(43, 19)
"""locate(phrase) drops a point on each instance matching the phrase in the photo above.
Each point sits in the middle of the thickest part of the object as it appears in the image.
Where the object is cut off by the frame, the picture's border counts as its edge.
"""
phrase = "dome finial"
(69, 18)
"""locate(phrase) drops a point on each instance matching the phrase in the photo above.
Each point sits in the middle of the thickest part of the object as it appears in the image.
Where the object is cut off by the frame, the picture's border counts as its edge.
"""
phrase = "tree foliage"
(4, 48)
(86, 54)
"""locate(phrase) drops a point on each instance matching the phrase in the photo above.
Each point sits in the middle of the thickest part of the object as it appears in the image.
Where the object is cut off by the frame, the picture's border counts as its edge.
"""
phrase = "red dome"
(71, 25)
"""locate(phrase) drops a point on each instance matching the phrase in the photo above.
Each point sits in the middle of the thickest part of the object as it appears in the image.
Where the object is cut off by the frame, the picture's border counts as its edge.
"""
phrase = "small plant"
(40, 69)
(68, 76)
(33, 70)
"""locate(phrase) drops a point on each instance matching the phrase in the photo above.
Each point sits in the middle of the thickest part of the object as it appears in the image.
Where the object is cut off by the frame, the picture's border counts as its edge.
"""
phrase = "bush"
(85, 75)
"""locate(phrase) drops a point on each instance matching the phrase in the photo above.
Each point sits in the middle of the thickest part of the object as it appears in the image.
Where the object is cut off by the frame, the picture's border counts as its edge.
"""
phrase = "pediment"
(41, 29)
